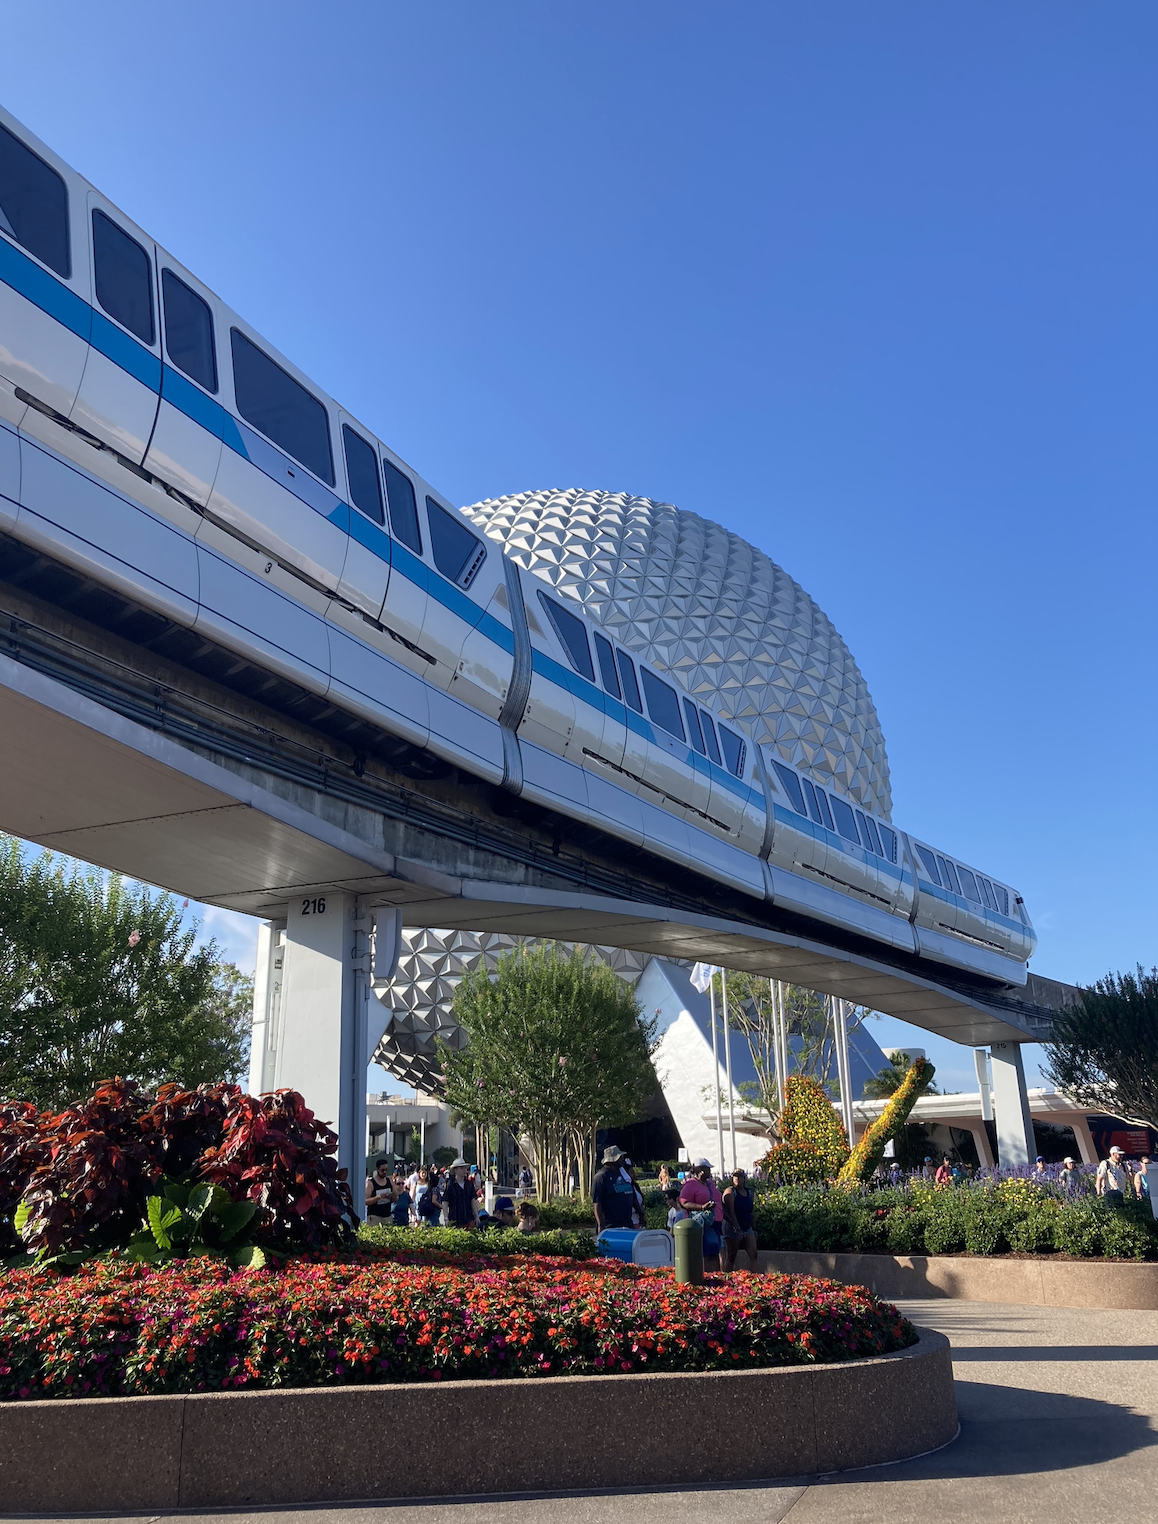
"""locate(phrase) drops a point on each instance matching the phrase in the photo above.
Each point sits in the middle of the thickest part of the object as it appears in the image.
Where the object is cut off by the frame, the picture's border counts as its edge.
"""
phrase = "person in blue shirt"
(612, 1192)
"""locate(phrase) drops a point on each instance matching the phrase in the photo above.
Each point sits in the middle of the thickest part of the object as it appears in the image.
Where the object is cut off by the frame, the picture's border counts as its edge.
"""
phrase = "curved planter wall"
(252, 1448)
(1040, 1282)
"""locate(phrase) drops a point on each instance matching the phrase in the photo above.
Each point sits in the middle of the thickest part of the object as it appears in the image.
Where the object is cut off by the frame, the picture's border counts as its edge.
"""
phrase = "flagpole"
(716, 1072)
(728, 1061)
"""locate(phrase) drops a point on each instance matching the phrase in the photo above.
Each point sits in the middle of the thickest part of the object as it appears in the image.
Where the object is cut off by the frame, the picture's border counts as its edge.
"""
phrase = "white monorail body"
(152, 440)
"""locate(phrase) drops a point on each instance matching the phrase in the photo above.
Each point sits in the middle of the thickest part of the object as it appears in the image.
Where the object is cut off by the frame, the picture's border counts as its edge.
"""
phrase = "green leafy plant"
(559, 1243)
(190, 1222)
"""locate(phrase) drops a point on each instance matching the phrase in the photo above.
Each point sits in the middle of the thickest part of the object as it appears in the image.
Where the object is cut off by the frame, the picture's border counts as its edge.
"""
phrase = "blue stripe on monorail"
(959, 902)
(829, 838)
(58, 301)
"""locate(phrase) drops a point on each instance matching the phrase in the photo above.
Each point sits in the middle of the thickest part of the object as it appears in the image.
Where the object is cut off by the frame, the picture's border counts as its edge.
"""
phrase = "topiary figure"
(869, 1152)
(813, 1145)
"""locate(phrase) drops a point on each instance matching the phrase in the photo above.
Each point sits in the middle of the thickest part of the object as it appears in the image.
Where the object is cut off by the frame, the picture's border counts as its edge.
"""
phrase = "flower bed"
(199, 1326)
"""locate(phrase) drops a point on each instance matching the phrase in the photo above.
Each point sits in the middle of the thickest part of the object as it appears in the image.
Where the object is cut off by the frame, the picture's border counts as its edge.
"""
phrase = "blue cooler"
(617, 1243)
(637, 1246)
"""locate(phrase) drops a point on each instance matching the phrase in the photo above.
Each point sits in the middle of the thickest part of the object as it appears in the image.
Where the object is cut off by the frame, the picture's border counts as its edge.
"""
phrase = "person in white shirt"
(1113, 1178)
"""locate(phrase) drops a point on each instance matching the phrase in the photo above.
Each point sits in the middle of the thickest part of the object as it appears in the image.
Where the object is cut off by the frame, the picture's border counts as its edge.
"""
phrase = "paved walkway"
(1059, 1422)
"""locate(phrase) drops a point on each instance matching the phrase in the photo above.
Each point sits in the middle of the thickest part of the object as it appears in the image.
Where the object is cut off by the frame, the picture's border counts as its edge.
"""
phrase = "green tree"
(1103, 1050)
(889, 1080)
(98, 978)
(556, 1049)
(806, 1012)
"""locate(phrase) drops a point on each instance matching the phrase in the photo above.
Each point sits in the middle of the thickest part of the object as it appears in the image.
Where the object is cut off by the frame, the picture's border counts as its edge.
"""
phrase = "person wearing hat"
(1113, 1178)
(460, 1197)
(612, 1192)
(699, 1194)
(504, 1212)
(1068, 1176)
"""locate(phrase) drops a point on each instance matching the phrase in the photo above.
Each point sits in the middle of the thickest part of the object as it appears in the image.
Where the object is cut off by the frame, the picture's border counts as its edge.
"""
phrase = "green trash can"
(689, 1252)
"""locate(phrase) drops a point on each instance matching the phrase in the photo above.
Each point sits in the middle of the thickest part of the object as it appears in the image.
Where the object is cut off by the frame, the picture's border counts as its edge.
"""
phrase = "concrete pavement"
(1059, 1421)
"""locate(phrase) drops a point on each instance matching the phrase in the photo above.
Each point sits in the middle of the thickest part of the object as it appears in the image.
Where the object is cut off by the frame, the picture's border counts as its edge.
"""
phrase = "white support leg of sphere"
(1015, 1144)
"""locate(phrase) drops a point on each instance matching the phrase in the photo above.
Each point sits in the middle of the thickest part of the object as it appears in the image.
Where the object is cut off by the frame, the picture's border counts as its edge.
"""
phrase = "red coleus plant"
(82, 1178)
(22, 1148)
(275, 1152)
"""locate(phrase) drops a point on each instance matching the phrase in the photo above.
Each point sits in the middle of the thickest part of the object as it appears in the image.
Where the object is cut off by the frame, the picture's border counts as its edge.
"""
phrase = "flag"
(702, 976)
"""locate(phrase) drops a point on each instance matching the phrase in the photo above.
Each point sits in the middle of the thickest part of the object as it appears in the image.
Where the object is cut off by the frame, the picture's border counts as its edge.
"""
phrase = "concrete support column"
(1087, 1153)
(981, 1142)
(1015, 1145)
(321, 1045)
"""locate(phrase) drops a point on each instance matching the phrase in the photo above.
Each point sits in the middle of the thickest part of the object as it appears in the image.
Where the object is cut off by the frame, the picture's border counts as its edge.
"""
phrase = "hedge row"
(558, 1243)
(999, 1217)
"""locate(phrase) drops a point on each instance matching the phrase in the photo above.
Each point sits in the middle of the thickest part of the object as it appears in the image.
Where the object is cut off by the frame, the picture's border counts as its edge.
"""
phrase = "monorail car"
(152, 439)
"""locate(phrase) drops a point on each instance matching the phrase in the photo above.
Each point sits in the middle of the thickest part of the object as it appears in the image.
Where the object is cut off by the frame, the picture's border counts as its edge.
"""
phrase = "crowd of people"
(432, 1197)
(725, 1216)
(1116, 1179)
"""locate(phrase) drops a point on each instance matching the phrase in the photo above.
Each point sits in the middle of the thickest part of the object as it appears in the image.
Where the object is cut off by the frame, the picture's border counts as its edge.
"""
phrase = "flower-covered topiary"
(870, 1150)
(813, 1145)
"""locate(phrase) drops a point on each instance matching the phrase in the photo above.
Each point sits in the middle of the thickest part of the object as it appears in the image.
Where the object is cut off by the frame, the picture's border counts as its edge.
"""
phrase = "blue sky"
(874, 286)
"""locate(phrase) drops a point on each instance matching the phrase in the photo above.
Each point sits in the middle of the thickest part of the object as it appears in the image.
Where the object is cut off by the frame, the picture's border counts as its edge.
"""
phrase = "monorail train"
(150, 438)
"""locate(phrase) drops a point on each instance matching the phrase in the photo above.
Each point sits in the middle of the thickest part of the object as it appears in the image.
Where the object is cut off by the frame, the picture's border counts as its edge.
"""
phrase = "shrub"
(989, 1217)
(198, 1326)
(461, 1241)
(82, 1178)
(276, 1153)
(565, 1211)
(22, 1149)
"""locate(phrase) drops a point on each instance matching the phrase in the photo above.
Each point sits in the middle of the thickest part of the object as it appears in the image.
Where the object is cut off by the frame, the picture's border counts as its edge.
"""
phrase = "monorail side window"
(607, 665)
(572, 635)
(403, 507)
(949, 875)
(889, 842)
(734, 752)
(124, 277)
(362, 474)
(709, 729)
(822, 800)
(791, 787)
(1002, 897)
(457, 552)
(281, 408)
(987, 893)
(930, 863)
(663, 705)
(868, 830)
(630, 686)
(695, 735)
(969, 885)
(813, 806)
(33, 204)
(845, 820)
(189, 332)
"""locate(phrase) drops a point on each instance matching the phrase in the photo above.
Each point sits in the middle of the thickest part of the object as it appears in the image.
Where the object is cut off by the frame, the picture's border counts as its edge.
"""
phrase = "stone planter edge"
(1043, 1282)
(315, 1445)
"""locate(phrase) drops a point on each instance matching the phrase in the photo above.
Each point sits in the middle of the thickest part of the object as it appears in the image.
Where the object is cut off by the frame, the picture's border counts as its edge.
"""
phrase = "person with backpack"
(427, 1202)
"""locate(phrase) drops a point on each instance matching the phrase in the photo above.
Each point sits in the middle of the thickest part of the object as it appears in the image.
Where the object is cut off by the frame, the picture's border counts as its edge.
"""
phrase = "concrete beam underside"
(81, 779)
